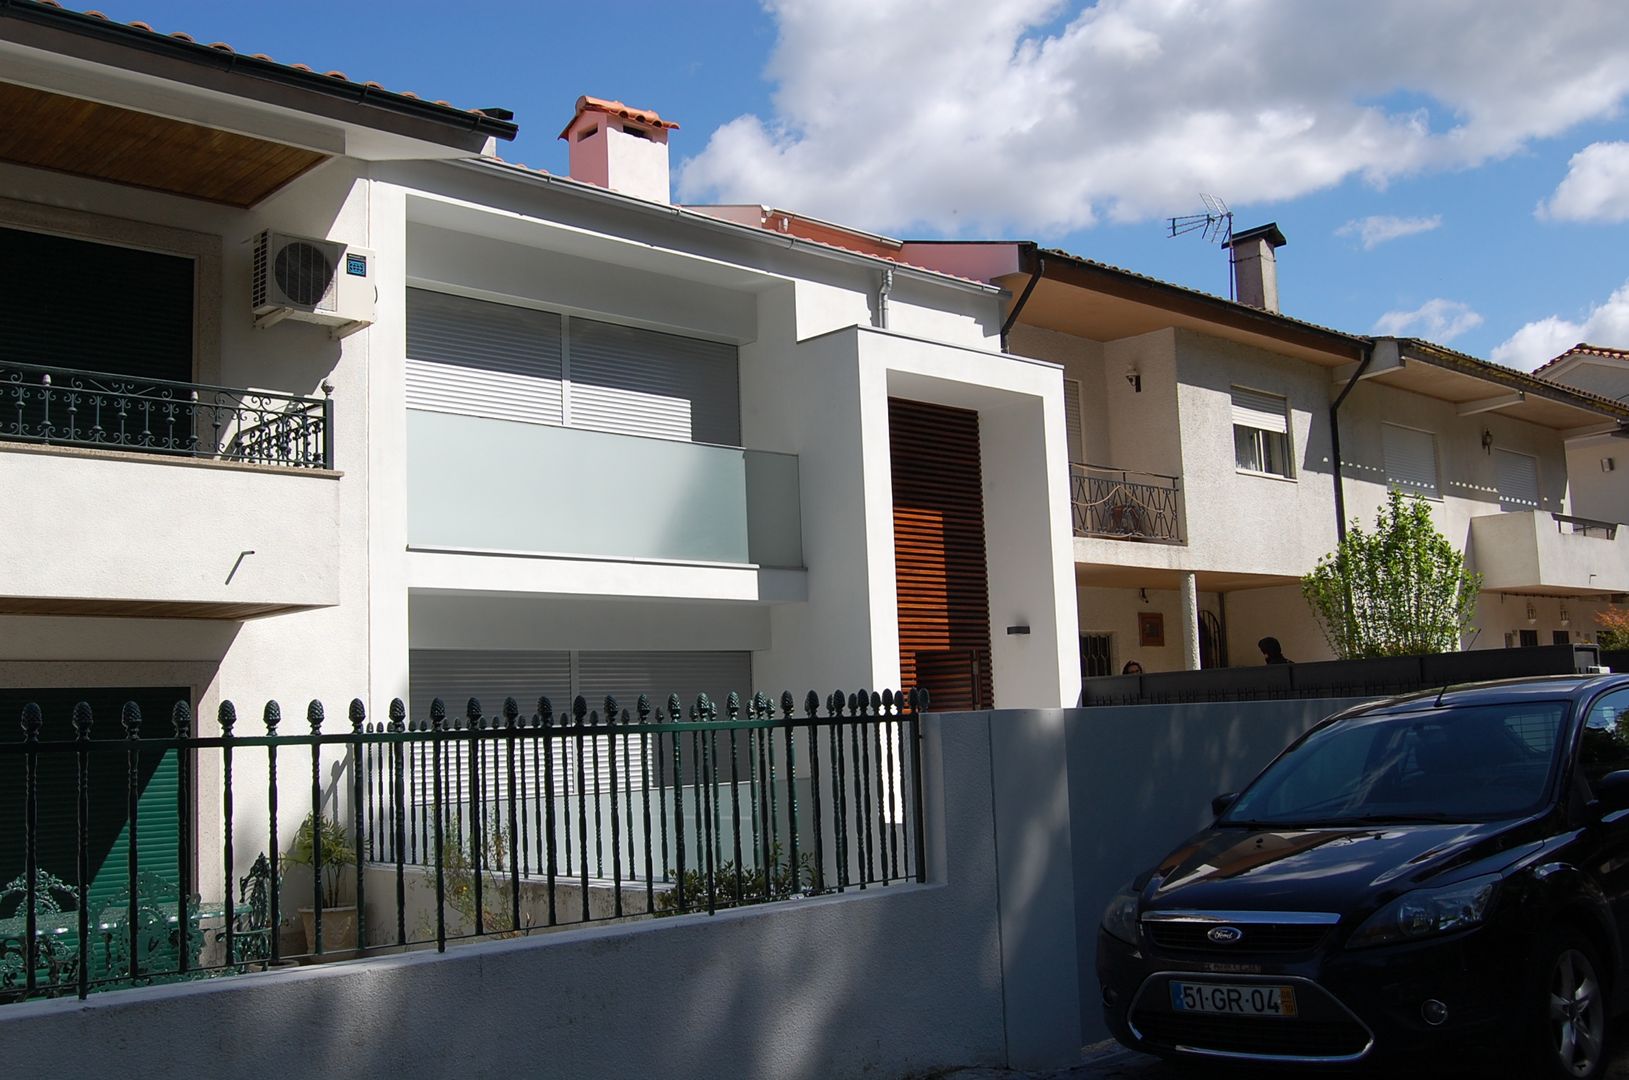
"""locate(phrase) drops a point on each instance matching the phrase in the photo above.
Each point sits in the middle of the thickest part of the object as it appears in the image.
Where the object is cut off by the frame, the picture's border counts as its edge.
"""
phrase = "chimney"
(619, 147)
(1255, 267)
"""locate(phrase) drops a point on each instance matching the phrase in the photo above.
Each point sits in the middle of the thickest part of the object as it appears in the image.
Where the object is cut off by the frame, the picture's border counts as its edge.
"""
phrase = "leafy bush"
(1614, 623)
(785, 881)
(1402, 590)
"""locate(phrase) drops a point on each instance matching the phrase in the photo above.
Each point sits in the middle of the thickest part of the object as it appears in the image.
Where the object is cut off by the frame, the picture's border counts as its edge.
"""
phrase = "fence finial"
(82, 720)
(642, 707)
(511, 710)
(227, 717)
(888, 701)
(876, 703)
(273, 716)
(358, 714)
(438, 714)
(32, 721)
(181, 718)
(732, 707)
(675, 710)
(545, 709)
(398, 714)
(314, 716)
(131, 719)
(611, 709)
(704, 708)
(811, 703)
(472, 712)
(579, 709)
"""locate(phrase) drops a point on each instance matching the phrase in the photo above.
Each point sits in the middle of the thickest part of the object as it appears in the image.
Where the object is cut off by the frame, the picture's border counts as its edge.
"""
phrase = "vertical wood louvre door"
(939, 556)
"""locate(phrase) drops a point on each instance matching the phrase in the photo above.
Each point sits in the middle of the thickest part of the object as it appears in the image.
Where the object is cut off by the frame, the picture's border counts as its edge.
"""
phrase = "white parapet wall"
(976, 966)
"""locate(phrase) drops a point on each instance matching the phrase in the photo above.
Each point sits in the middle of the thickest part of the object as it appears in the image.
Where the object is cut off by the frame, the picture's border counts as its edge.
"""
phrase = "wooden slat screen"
(939, 556)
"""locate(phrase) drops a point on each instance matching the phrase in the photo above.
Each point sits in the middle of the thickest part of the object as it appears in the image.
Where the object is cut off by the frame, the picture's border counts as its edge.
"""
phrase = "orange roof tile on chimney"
(646, 117)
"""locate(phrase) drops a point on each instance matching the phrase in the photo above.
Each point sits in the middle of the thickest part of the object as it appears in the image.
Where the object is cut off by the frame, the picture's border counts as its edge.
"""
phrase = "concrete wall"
(976, 967)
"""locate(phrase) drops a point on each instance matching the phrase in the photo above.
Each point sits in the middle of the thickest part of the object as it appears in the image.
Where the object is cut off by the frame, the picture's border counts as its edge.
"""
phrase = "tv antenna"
(1215, 226)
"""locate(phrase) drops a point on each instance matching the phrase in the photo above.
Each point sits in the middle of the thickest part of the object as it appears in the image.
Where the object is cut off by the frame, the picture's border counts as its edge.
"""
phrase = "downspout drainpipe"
(883, 290)
(1023, 298)
(1335, 439)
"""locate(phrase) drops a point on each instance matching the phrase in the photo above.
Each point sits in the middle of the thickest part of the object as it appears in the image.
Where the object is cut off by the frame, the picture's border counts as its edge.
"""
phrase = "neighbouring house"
(1217, 446)
(1600, 489)
(306, 393)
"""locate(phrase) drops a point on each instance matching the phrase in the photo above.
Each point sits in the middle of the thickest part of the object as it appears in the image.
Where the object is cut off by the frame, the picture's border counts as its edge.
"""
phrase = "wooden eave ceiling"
(121, 146)
(1107, 309)
(1460, 387)
(139, 609)
(1109, 576)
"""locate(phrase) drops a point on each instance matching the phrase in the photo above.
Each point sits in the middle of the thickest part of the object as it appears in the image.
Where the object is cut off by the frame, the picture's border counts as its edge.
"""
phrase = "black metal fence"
(481, 824)
(65, 407)
(1125, 505)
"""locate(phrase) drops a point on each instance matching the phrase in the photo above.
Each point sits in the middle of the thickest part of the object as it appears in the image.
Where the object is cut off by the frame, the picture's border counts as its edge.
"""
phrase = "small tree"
(1614, 623)
(1401, 590)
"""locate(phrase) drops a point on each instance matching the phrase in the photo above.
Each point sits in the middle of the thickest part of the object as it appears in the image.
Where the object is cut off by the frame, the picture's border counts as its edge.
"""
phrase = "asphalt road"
(1107, 1061)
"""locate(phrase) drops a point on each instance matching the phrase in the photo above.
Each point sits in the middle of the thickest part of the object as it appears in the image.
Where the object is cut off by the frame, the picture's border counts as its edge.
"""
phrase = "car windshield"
(1472, 763)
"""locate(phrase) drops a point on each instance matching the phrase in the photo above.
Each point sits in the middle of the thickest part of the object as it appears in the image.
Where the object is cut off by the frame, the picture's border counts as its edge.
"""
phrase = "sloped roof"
(1584, 349)
(219, 54)
(646, 117)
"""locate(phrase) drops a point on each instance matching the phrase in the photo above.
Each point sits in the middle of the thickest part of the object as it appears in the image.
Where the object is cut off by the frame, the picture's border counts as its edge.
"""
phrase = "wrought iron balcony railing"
(65, 407)
(1125, 505)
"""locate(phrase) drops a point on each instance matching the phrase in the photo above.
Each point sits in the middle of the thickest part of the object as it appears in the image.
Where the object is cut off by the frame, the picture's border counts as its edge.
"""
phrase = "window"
(1605, 744)
(1411, 460)
(1528, 638)
(1561, 637)
(1095, 650)
(1072, 422)
(1261, 432)
(1517, 478)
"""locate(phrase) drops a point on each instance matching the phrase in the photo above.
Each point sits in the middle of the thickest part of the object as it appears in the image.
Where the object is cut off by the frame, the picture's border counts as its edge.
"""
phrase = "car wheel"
(1567, 1008)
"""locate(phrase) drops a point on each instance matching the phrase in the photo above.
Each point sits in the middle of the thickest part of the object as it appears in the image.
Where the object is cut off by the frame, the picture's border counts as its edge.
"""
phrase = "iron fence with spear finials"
(459, 824)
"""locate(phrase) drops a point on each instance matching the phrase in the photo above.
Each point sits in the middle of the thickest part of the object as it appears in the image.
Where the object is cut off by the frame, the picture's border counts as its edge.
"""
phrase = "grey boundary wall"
(887, 982)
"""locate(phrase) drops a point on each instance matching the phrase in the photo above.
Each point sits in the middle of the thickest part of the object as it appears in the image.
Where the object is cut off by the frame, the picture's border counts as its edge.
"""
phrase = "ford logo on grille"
(1225, 935)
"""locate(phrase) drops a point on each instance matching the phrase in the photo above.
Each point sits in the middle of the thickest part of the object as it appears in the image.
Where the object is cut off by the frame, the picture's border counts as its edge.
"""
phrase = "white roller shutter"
(1071, 420)
(1517, 477)
(640, 382)
(456, 675)
(1411, 459)
(1254, 409)
(483, 359)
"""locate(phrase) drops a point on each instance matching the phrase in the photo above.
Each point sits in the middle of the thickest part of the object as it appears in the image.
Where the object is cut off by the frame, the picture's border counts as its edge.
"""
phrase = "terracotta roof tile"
(221, 46)
(647, 117)
(1585, 349)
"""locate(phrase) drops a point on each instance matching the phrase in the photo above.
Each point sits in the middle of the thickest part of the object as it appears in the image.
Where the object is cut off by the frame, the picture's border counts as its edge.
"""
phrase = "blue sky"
(1084, 126)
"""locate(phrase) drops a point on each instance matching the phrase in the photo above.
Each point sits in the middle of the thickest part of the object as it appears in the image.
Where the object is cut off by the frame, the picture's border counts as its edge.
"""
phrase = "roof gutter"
(690, 217)
(155, 43)
(1023, 297)
(1335, 440)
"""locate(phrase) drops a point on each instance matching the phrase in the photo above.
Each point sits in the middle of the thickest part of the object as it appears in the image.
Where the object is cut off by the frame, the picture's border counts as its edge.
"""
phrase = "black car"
(1447, 871)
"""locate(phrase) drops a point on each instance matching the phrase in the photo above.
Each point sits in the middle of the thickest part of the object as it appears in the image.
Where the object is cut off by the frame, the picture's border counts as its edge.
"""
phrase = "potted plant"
(337, 855)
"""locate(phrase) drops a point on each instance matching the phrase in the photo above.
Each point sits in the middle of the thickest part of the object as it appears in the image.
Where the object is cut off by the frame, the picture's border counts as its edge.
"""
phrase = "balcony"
(142, 497)
(95, 410)
(504, 487)
(1117, 504)
(1540, 551)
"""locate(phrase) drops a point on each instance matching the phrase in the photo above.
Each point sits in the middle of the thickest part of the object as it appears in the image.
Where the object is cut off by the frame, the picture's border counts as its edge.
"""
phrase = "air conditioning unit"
(320, 281)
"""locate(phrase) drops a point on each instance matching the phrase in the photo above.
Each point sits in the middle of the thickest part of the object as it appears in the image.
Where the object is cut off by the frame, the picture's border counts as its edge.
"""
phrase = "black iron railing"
(445, 828)
(65, 407)
(1125, 505)
(1582, 526)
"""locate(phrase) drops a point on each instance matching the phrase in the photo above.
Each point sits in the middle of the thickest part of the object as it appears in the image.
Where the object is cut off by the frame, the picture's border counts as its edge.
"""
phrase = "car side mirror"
(1612, 792)
(1219, 805)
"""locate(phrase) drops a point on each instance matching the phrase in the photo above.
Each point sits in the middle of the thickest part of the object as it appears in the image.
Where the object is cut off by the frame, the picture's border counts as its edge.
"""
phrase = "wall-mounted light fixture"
(1566, 616)
(1532, 615)
(1135, 379)
(1022, 628)
(1487, 441)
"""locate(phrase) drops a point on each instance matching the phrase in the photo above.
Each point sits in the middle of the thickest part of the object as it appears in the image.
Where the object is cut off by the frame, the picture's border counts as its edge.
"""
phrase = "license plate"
(1233, 999)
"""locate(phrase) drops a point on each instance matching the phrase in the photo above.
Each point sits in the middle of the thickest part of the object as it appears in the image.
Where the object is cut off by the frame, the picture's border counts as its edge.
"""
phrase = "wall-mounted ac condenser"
(320, 281)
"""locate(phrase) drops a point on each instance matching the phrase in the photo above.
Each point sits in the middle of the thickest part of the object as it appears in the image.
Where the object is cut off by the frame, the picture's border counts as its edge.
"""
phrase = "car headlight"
(1120, 917)
(1428, 911)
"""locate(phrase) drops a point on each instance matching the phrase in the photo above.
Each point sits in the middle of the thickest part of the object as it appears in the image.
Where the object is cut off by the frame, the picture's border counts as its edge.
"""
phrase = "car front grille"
(1192, 937)
(1251, 1035)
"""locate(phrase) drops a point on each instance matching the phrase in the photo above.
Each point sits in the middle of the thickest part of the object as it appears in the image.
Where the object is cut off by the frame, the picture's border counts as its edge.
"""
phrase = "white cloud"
(1547, 338)
(1438, 320)
(1371, 232)
(993, 115)
(1596, 187)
